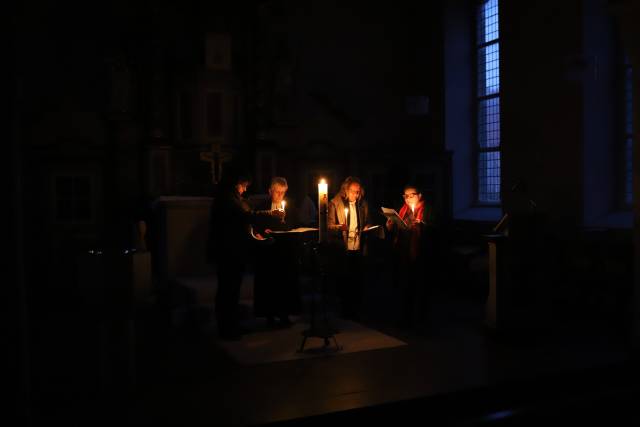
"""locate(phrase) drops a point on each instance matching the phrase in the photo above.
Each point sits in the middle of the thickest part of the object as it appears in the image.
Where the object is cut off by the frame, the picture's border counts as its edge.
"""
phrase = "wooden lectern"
(516, 268)
(496, 317)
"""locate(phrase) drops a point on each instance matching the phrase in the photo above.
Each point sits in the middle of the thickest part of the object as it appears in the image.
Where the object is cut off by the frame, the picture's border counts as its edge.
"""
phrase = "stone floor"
(164, 368)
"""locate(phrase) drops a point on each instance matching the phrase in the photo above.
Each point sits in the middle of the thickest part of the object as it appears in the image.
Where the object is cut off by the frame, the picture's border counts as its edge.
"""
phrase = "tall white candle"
(323, 206)
(282, 203)
(346, 215)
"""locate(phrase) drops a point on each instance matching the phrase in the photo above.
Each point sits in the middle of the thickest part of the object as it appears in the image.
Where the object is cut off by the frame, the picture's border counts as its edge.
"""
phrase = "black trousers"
(230, 272)
(351, 285)
(409, 280)
(276, 289)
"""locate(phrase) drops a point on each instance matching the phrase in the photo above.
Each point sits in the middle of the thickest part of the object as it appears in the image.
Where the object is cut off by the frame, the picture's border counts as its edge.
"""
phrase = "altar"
(182, 225)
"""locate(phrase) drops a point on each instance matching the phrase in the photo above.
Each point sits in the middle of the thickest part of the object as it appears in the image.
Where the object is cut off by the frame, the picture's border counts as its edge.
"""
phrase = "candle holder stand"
(319, 324)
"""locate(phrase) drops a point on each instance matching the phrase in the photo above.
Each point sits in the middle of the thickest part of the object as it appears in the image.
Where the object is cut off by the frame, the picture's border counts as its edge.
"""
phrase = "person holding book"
(275, 286)
(348, 218)
(229, 246)
(407, 232)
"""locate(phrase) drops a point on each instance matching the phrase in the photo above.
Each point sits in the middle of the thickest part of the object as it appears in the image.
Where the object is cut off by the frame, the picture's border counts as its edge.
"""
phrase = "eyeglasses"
(408, 195)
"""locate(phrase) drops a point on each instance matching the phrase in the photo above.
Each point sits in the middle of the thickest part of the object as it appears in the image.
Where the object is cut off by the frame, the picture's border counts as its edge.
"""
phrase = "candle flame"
(322, 181)
(283, 203)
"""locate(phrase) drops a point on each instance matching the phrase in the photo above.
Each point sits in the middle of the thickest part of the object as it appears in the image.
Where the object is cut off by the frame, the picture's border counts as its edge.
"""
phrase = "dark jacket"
(275, 283)
(263, 204)
(230, 222)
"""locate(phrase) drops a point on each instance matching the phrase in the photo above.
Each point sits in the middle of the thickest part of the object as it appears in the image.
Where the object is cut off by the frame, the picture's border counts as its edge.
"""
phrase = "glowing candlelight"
(323, 187)
(323, 205)
(413, 208)
(346, 215)
(282, 203)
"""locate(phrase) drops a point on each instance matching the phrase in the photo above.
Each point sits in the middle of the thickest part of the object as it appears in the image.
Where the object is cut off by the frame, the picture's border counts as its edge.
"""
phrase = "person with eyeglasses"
(229, 246)
(408, 254)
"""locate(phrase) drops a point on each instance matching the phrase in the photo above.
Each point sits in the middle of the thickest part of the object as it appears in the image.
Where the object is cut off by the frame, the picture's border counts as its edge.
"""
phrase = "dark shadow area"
(125, 119)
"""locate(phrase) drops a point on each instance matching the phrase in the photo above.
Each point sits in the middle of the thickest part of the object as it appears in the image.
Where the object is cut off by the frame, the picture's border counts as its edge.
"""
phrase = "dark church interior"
(518, 121)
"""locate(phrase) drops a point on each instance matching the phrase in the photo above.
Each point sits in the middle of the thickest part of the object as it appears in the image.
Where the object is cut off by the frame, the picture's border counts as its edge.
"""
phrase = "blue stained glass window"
(488, 103)
(488, 17)
(489, 123)
(489, 70)
(489, 176)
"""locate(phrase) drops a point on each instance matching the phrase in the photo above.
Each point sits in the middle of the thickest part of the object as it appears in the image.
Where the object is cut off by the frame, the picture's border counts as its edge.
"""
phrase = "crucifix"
(216, 156)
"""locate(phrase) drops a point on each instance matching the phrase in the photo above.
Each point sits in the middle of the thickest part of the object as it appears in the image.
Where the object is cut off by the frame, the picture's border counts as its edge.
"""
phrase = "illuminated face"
(241, 187)
(411, 196)
(353, 192)
(277, 193)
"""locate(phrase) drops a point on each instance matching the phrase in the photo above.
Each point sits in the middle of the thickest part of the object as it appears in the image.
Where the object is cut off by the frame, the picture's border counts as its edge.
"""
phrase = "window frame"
(478, 99)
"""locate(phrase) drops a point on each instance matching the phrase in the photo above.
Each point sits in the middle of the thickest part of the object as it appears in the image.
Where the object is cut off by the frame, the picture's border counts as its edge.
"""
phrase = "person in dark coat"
(276, 290)
(229, 246)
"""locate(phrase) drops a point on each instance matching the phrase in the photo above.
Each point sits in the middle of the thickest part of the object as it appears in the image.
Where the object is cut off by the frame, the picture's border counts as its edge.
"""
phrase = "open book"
(393, 216)
(375, 231)
(295, 230)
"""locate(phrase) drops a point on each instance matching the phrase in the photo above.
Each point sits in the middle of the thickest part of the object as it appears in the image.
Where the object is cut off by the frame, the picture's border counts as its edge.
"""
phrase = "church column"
(18, 300)
(627, 13)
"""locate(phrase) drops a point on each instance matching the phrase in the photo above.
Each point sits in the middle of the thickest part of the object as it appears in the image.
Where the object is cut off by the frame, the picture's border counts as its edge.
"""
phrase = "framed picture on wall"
(218, 52)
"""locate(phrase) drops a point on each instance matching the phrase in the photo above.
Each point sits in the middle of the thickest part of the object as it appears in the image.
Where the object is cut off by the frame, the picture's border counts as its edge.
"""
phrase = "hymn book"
(393, 216)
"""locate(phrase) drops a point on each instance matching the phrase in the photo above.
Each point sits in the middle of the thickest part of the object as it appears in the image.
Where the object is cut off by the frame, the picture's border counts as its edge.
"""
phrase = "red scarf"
(418, 212)
(416, 232)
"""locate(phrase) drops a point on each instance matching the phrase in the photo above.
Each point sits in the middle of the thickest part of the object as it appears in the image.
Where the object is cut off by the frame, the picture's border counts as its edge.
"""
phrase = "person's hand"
(277, 213)
(260, 236)
(267, 231)
(389, 224)
(416, 223)
(343, 227)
